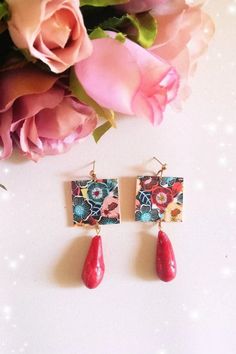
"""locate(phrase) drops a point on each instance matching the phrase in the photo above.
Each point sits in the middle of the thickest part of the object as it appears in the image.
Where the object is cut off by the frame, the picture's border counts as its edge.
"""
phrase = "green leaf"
(3, 187)
(4, 13)
(79, 92)
(141, 28)
(102, 3)
(115, 23)
(98, 33)
(101, 130)
(120, 37)
(146, 27)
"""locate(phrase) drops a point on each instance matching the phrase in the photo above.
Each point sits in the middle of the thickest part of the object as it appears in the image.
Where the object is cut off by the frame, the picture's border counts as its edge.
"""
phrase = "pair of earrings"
(95, 202)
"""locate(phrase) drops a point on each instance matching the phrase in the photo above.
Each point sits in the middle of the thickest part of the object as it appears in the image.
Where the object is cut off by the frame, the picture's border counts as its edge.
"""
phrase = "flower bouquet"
(68, 66)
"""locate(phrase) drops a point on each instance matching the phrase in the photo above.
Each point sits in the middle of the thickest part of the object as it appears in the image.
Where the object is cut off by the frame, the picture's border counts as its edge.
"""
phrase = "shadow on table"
(144, 266)
(68, 270)
(127, 191)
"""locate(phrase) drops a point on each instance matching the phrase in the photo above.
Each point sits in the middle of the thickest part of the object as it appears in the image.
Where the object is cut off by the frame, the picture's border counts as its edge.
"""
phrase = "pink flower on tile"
(110, 208)
(161, 197)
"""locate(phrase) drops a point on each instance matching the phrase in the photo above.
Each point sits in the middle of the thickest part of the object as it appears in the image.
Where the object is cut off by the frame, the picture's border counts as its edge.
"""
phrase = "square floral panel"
(95, 202)
(159, 198)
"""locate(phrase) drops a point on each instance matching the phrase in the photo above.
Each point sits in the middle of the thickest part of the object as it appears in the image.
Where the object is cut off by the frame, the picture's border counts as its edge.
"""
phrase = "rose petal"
(5, 124)
(28, 106)
(21, 82)
(110, 75)
(56, 30)
(61, 121)
(26, 131)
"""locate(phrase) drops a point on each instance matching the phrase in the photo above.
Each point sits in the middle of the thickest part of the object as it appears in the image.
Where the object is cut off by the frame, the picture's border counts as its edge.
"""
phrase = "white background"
(44, 307)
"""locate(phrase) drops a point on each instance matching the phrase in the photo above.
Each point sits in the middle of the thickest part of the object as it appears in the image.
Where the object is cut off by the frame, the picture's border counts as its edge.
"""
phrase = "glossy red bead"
(94, 267)
(165, 258)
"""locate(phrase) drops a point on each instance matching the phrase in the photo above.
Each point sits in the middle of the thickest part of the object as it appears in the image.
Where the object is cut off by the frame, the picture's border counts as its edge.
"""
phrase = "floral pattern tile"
(95, 202)
(159, 198)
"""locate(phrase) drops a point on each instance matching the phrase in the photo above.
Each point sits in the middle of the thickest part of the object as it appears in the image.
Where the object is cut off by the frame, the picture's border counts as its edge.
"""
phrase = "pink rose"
(39, 115)
(52, 30)
(169, 7)
(135, 6)
(159, 7)
(128, 79)
(182, 38)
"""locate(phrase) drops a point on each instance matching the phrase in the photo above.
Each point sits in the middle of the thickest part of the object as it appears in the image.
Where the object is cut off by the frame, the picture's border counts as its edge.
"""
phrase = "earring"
(95, 202)
(160, 199)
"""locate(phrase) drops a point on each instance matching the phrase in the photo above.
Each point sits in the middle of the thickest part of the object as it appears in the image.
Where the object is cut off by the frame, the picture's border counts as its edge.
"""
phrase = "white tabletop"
(44, 307)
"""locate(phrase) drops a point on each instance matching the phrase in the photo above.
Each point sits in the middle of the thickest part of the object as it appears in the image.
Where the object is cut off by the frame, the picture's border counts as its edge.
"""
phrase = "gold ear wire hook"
(97, 228)
(163, 167)
(92, 173)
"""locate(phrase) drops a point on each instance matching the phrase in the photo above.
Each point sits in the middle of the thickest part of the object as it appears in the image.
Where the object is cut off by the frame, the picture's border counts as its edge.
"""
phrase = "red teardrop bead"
(94, 267)
(165, 258)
